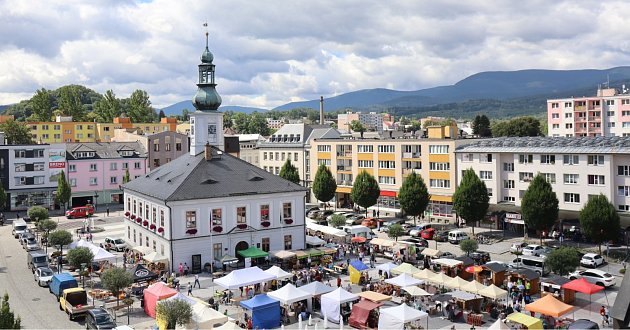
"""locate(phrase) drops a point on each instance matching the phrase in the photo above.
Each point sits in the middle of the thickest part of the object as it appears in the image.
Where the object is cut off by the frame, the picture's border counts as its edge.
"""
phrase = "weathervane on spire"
(206, 26)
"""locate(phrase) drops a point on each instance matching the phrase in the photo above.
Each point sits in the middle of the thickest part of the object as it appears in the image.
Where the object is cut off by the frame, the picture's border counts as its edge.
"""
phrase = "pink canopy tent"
(153, 294)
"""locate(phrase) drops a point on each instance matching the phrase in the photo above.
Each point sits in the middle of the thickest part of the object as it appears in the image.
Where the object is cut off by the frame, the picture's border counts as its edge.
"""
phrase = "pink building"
(96, 170)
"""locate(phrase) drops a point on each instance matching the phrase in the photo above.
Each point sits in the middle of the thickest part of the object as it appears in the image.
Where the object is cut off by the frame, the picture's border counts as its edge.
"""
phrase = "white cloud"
(270, 53)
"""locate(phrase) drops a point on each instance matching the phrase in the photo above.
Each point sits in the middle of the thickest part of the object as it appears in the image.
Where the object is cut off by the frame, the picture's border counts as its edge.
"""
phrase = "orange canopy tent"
(549, 305)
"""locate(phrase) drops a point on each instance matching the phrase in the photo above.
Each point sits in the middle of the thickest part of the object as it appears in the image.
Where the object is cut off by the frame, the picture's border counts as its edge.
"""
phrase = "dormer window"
(84, 154)
(126, 153)
(297, 139)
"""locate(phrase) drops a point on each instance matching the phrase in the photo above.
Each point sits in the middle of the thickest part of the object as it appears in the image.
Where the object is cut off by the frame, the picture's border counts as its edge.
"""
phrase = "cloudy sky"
(269, 53)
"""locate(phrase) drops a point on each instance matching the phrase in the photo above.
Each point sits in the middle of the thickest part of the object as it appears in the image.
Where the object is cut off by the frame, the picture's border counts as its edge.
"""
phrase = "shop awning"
(549, 305)
(253, 252)
(227, 259)
(531, 323)
(360, 313)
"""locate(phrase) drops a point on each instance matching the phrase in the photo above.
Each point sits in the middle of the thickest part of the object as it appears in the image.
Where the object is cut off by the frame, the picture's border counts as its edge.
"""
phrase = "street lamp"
(95, 200)
(83, 264)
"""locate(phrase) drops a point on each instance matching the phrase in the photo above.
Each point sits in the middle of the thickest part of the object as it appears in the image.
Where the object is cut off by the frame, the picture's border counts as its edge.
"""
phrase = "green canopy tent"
(253, 252)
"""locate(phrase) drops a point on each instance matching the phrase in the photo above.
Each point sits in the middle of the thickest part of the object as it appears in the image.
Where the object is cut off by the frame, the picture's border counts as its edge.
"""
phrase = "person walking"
(181, 269)
(108, 211)
(197, 281)
(190, 287)
(186, 269)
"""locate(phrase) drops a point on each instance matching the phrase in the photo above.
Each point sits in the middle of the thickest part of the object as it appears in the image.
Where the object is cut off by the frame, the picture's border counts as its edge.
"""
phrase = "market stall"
(583, 286)
(492, 273)
(243, 277)
(531, 323)
(449, 267)
(397, 317)
(460, 269)
(355, 269)
(473, 287)
(156, 262)
(553, 285)
(405, 268)
(314, 241)
(415, 291)
(364, 315)
(153, 294)
(526, 275)
(431, 253)
(424, 274)
(286, 259)
(403, 280)
(256, 255)
(439, 279)
(499, 325)
(316, 288)
(331, 303)
(289, 294)
(387, 267)
(278, 273)
(548, 305)
(265, 311)
(493, 292)
(374, 296)
(456, 283)
(204, 317)
(328, 233)
(467, 301)
(141, 274)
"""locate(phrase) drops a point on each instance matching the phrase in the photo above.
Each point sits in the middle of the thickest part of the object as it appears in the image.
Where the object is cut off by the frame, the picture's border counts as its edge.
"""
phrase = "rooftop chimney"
(321, 110)
(207, 151)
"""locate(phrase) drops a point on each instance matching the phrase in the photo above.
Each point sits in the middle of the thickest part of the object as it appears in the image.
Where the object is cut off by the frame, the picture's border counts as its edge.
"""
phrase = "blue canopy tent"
(265, 311)
(358, 265)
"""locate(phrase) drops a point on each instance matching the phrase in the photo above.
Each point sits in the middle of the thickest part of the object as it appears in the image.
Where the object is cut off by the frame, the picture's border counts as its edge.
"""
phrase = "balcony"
(595, 118)
(407, 171)
(341, 168)
(580, 119)
(579, 108)
(411, 155)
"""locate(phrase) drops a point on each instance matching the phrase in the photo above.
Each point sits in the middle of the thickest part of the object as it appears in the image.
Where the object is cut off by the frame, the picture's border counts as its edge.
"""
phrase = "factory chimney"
(321, 110)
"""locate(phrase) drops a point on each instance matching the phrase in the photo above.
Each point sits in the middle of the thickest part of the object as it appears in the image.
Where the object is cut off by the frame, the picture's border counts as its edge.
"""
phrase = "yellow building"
(390, 161)
(62, 130)
(105, 131)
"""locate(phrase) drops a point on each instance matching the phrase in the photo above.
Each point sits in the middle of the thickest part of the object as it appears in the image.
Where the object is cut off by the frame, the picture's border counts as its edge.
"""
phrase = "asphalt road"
(37, 308)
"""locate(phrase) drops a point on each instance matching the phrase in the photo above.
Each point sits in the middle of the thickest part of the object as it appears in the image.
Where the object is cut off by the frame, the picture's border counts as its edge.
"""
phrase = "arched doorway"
(242, 245)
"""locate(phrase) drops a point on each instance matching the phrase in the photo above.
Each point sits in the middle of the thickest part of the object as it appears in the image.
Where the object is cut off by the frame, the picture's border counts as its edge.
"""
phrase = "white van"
(534, 263)
(456, 236)
(19, 227)
(361, 231)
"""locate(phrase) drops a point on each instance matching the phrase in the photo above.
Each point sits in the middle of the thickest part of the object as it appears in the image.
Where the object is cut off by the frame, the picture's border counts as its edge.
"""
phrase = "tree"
(174, 312)
(414, 196)
(126, 178)
(46, 225)
(115, 280)
(324, 185)
(471, 200)
(37, 213)
(290, 172)
(16, 133)
(3, 197)
(395, 231)
(563, 261)
(107, 108)
(80, 255)
(356, 126)
(468, 245)
(365, 190)
(70, 103)
(599, 220)
(521, 126)
(60, 238)
(539, 205)
(257, 124)
(484, 127)
(64, 191)
(140, 110)
(161, 114)
(475, 125)
(337, 220)
(8, 320)
(41, 103)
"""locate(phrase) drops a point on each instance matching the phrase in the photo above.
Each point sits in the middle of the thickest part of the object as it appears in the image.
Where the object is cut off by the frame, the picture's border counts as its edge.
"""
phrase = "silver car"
(31, 245)
(43, 275)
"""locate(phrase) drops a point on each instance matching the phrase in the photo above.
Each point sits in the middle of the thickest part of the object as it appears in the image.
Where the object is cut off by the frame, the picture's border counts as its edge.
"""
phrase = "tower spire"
(206, 26)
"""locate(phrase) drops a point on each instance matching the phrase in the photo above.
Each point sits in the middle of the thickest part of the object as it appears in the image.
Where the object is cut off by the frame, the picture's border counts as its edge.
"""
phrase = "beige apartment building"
(390, 160)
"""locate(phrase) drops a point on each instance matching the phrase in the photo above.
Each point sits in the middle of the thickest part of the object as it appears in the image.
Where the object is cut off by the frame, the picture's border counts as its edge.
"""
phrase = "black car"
(480, 257)
(99, 318)
(419, 241)
(441, 236)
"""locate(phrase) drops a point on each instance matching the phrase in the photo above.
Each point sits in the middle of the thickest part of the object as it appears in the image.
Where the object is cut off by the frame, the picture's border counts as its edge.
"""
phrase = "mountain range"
(177, 108)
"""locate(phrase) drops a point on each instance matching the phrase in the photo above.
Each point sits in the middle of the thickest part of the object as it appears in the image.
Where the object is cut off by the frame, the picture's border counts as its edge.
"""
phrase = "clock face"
(212, 133)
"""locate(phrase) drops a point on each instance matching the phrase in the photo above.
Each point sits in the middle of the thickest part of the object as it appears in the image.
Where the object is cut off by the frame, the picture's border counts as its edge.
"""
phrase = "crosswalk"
(113, 230)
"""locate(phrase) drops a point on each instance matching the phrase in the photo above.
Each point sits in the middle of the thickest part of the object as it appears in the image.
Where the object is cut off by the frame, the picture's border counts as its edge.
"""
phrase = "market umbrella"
(358, 239)
(416, 291)
(473, 269)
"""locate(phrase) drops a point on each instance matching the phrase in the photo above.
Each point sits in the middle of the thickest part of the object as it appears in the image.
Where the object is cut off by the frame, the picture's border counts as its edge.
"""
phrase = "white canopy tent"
(316, 288)
(228, 326)
(81, 243)
(101, 254)
(448, 262)
(289, 294)
(387, 267)
(205, 317)
(325, 229)
(396, 317)
(278, 273)
(314, 241)
(142, 249)
(403, 280)
(243, 277)
(331, 303)
(416, 291)
(499, 325)
(182, 297)
(155, 257)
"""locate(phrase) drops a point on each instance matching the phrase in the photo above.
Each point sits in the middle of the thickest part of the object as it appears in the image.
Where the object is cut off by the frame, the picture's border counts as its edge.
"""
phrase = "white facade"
(205, 127)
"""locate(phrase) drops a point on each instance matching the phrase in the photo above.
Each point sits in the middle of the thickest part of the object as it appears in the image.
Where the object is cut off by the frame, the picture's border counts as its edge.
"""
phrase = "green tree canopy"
(290, 172)
(126, 177)
(16, 132)
(115, 280)
(139, 107)
(521, 126)
(107, 108)
(64, 191)
(80, 255)
(414, 196)
(8, 320)
(60, 238)
(481, 126)
(47, 225)
(468, 245)
(70, 102)
(337, 220)
(356, 126)
(563, 261)
(37, 212)
(324, 185)
(395, 231)
(471, 200)
(539, 205)
(599, 220)
(365, 190)
(174, 312)
(41, 103)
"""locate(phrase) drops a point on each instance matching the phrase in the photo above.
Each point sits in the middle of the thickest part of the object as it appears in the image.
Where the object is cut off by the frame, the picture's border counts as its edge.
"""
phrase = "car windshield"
(46, 272)
(119, 241)
(103, 318)
(607, 275)
(587, 258)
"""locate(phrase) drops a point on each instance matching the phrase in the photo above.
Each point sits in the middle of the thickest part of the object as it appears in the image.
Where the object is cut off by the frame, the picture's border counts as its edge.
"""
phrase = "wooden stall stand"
(526, 275)
(492, 274)
(552, 286)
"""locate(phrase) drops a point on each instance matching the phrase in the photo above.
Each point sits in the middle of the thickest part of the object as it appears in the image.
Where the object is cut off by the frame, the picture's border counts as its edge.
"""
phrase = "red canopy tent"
(583, 286)
(153, 294)
(361, 312)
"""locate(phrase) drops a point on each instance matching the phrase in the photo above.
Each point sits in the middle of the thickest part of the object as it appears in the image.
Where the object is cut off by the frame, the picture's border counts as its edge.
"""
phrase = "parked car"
(418, 229)
(594, 276)
(447, 255)
(80, 212)
(517, 247)
(99, 318)
(480, 257)
(19, 227)
(532, 250)
(74, 302)
(456, 236)
(323, 214)
(116, 244)
(342, 213)
(61, 282)
(31, 245)
(418, 241)
(354, 219)
(43, 275)
(370, 222)
(428, 233)
(591, 260)
(441, 236)
(310, 209)
(25, 238)
(36, 259)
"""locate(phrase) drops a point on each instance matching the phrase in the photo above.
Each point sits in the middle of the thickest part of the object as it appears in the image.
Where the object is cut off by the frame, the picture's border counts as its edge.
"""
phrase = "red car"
(80, 212)
(428, 233)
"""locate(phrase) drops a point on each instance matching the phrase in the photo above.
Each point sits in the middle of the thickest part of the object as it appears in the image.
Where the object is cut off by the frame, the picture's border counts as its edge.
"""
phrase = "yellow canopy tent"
(473, 287)
(493, 292)
(424, 274)
(456, 283)
(531, 323)
(549, 305)
(405, 268)
(374, 296)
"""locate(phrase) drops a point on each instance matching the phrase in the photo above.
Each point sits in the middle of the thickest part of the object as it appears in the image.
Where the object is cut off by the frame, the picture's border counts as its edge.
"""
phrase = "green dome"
(206, 98)
(207, 56)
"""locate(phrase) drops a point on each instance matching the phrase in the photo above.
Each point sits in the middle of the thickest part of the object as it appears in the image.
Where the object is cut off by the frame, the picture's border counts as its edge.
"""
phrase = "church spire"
(207, 98)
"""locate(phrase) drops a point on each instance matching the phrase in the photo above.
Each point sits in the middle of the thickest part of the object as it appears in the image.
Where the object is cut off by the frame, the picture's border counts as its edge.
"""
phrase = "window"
(610, 102)
(323, 161)
(167, 147)
(387, 180)
(508, 167)
(282, 156)
(556, 126)
(555, 115)
(596, 179)
(525, 159)
(266, 244)
(612, 125)
(596, 160)
(156, 162)
(161, 218)
(323, 148)
(568, 104)
(365, 148)
(153, 215)
(139, 236)
(93, 167)
(485, 175)
(125, 166)
(217, 217)
(146, 211)
(20, 167)
(264, 212)
(386, 149)
(93, 182)
(217, 251)
(20, 180)
(295, 157)
(113, 166)
(467, 157)
(485, 158)
(178, 146)
(438, 149)
(73, 182)
(113, 180)
(136, 165)
(623, 191)
(610, 113)
(555, 105)
(241, 215)
(550, 177)
(508, 184)
(287, 211)
(365, 163)
(623, 170)
(147, 240)
(568, 126)
(571, 159)
(571, 178)
(277, 156)
(624, 208)
(134, 206)
(548, 159)
(271, 156)
(571, 198)
(439, 166)
(489, 190)
(386, 164)
(625, 113)
(525, 176)
(509, 199)
(191, 219)
(156, 147)
(288, 244)
(439, 183)
(625, 124)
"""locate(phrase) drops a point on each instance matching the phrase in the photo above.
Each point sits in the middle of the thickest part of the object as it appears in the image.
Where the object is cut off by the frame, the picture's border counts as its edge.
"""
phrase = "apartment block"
(606, 114)
(162, 147)
(63, 129)
(372, 121)
(577, 168)
(390, 161)
(105, 131)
